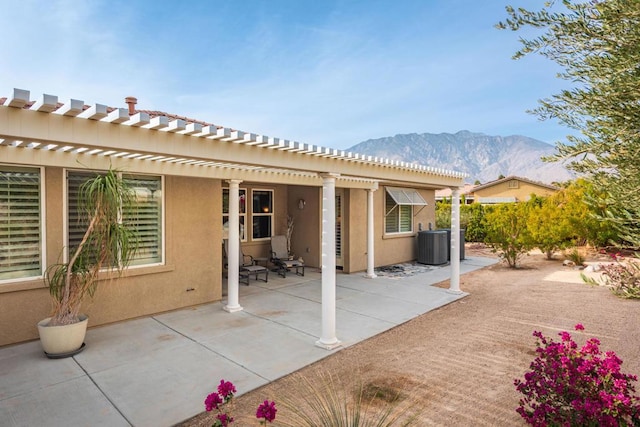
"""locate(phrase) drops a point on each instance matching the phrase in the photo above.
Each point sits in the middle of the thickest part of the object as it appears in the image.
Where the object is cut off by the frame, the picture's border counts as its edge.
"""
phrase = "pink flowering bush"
(221, 400)
(571, 386)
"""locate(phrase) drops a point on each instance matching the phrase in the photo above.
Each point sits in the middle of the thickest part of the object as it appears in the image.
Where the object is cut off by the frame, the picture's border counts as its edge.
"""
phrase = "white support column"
(328, 339)
(454, 282)
(370, 244)
(233, 258)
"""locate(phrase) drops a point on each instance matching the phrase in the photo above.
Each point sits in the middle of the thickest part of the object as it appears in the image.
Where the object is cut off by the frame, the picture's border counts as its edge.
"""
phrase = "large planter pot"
(65, 340)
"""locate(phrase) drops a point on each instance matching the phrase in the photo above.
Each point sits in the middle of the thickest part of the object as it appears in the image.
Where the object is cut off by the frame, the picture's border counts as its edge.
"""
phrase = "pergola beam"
(19, 99)
(95, 112)
(45, 104)
(71, 108)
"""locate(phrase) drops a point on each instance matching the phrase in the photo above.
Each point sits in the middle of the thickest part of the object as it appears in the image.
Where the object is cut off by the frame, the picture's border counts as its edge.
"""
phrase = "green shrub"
(443, 214)
(549, 223)
(585, 210)
(507, 231)
(472, 220)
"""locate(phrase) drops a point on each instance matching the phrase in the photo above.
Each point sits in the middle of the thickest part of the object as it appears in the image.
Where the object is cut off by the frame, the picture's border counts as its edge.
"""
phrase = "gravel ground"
(456, 365)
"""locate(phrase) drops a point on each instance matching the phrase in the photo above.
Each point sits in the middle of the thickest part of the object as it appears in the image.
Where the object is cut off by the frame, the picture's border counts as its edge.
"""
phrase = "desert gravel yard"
(455, 366)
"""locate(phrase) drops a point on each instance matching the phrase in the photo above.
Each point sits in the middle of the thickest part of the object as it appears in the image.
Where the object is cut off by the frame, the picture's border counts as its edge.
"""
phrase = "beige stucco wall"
(305, 241)
(389, 248)
(522, 193)
(190, 276)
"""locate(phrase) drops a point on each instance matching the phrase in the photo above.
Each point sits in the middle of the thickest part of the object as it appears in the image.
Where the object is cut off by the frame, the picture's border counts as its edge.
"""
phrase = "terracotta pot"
(62, 340)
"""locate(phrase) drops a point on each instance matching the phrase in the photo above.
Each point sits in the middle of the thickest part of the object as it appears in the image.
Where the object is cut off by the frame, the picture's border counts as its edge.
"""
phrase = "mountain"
(482, 157)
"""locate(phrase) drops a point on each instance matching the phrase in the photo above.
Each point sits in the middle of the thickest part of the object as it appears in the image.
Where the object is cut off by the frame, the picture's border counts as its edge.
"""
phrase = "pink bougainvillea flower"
(267, 410)
(224, 419)
(591, 346)
(579, 327)
(226, 389)
(212, 401)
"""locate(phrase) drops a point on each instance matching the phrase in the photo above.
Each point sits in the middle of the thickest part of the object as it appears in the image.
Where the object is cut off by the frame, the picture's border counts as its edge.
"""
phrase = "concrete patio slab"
(377, 306)
(77, 402)
(151, 390)
(253, 347)
(156, 371)
(125, 342)
(351, 328)
(24, 368)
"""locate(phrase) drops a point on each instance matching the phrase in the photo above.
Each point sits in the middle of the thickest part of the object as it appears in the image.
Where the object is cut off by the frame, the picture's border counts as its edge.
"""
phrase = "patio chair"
(281, 259)
(247, 265)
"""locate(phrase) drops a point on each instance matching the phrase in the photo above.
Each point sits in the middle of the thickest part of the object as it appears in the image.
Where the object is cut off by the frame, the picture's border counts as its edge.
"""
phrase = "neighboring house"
(509, 189)
(191, 178)
(445, 194)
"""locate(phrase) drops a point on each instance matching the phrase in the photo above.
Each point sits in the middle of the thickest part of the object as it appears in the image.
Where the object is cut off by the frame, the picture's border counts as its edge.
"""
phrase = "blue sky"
(326, 72)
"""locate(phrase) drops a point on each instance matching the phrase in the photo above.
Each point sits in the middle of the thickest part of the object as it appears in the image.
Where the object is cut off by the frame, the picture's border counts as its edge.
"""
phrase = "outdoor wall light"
(301, 204)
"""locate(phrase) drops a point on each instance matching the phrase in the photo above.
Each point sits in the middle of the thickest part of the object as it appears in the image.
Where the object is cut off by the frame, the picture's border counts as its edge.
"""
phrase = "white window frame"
(42, 227)
(395, 211)
(243, 232)
(162, 220)
(162, 240)
(404, 198)
(269, 214)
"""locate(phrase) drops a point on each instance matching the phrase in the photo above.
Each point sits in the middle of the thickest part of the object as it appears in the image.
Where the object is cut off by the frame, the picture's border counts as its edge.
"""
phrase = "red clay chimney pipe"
(131, 101)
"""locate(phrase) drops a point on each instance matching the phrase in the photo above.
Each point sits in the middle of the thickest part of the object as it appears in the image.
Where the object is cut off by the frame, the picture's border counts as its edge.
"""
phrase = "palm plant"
(107, 245)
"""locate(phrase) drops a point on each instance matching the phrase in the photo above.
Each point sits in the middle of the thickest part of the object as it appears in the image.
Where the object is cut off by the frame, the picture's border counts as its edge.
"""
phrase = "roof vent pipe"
(131, 101)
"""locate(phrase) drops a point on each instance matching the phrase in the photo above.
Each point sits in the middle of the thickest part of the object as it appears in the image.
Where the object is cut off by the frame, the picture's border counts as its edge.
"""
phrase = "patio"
(156, 371)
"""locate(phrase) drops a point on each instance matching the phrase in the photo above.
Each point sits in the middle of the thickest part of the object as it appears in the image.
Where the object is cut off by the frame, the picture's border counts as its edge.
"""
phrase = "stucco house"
(509, 189)
(467, 195)
(196, 183)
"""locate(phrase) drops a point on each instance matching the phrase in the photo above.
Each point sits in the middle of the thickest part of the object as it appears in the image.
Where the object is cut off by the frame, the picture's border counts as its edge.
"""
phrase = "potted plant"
(106, 248)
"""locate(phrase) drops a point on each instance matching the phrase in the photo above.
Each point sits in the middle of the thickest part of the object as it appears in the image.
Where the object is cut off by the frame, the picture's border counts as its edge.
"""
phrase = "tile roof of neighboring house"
(509, 178)
(446, 192)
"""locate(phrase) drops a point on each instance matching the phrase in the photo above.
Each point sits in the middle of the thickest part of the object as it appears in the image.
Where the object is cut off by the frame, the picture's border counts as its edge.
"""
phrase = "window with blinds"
(20, 223)
(77, 223)
(145, 215)
(399, 218)
(146, 218)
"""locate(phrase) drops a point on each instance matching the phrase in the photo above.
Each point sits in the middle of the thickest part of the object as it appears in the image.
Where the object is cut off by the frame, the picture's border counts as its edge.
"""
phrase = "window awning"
(406, 196)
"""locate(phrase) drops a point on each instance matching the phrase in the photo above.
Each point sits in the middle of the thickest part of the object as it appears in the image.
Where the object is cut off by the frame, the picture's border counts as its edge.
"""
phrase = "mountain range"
(483, 157)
